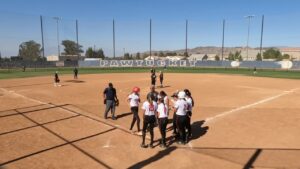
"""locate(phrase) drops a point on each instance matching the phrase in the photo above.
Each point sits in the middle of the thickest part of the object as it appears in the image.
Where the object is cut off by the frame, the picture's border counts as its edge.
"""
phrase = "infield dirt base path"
(238, 122)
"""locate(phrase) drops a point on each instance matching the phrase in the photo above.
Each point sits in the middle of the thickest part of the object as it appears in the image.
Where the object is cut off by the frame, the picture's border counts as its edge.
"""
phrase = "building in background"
(52, 58)
(293, 52)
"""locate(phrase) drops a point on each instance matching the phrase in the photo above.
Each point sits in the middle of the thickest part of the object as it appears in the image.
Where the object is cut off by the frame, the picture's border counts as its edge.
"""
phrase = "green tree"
(205, 57)
(272, 54)
(30, 50)
(99, 54)
(161, 54)
(171, 54)
(217, 57)
(89, 53)
(138, 56)
(126, 56)
(70, 48)
(235, 56)
(155, 54)
(285, 56)
(258, 57)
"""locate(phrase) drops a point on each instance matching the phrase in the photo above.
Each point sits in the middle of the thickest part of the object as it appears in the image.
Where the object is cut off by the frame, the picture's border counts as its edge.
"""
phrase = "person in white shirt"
(162, 115)
(134, 100)
(149, 108)
(174, 99)
(189, 99)
(180, 108)
(166, 101)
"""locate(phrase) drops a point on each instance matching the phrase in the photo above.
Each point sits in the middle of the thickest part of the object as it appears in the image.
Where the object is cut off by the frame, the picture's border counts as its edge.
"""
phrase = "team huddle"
(155, 112)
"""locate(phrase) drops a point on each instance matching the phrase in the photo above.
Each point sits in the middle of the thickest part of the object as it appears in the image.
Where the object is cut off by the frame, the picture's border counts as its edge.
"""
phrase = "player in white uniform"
(162, 114)
(180, 108)
(175, 98)
(134, 100)
(149, 108)
(165, 99)
(189, 99)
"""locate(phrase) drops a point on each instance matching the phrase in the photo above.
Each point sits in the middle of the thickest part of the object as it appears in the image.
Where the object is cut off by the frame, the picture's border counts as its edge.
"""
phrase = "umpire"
(110, 99)
(152, 94)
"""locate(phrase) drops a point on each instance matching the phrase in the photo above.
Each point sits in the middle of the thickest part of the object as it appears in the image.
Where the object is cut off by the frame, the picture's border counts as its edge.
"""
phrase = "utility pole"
(42, 34)
(57, 33)
(78, 53)
(114, 45)
(223, 39)
(249, 17)
(261, 35)
(150, 38)
(186, 38)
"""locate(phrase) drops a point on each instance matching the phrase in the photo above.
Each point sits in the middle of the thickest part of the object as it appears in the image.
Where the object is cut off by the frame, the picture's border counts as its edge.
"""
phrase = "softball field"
(238, 122)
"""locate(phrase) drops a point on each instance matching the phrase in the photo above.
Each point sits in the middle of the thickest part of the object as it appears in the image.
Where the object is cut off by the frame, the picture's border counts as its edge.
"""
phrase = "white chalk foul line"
(27, 98)
(210, 119)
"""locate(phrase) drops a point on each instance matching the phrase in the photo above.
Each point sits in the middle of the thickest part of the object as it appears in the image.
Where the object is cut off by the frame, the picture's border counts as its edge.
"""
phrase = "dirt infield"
(238, 122)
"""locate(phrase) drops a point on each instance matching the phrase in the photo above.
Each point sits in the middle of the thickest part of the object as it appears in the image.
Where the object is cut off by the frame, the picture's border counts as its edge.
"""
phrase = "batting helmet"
(181, 95)
(136, 89)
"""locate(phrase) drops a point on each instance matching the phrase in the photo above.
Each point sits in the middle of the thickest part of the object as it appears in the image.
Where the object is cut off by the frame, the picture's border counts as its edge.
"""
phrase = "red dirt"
(262, 132)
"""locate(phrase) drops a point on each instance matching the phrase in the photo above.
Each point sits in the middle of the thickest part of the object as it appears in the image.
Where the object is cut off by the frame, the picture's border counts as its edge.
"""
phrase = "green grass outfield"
(17, 73)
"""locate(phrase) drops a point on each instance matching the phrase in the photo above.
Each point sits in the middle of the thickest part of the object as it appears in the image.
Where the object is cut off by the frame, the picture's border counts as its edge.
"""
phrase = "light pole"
(249, 17)
(223, 38)
(57, 33)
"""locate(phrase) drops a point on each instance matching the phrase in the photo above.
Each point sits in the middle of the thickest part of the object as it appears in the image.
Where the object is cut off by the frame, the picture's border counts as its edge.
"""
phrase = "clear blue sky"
(20, 22)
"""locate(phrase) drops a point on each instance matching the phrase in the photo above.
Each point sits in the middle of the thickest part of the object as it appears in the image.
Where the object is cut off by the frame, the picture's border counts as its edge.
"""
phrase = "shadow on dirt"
(124, 115)
(154, 158)
(75, 81)
(198, 129)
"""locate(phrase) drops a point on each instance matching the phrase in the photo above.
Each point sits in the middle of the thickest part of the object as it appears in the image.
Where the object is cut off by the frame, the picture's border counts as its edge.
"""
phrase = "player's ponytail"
(150, 100)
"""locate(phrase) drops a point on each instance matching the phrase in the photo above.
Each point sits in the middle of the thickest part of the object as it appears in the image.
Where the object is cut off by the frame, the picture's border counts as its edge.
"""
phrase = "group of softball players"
(156, 110)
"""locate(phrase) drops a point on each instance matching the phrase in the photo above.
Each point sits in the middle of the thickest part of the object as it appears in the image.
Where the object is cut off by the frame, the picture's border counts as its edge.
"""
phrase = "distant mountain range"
(215, 50)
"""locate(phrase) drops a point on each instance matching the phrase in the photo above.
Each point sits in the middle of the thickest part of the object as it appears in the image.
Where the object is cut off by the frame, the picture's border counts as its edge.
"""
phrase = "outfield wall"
(187, 63)
(150, 63)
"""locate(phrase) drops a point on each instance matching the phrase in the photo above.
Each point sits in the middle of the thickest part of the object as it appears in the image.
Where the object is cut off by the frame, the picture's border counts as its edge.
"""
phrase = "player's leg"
(164, 128)
(113, 110)
(160, 126)
(151, 128)
(181, 128)
(188, 124)
(174, 124)
(138, 121)
(107, 108)
(133, 117)
(184, 125)
(136, 118)
(145, 126)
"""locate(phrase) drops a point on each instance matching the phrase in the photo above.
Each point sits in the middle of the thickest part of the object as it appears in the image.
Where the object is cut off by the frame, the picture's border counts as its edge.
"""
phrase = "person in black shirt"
(152, 70)
(75, 73)
(56, 79)
(110, 99)
(153, 94)
(254, 70)
(161, 78)
(153, 79)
